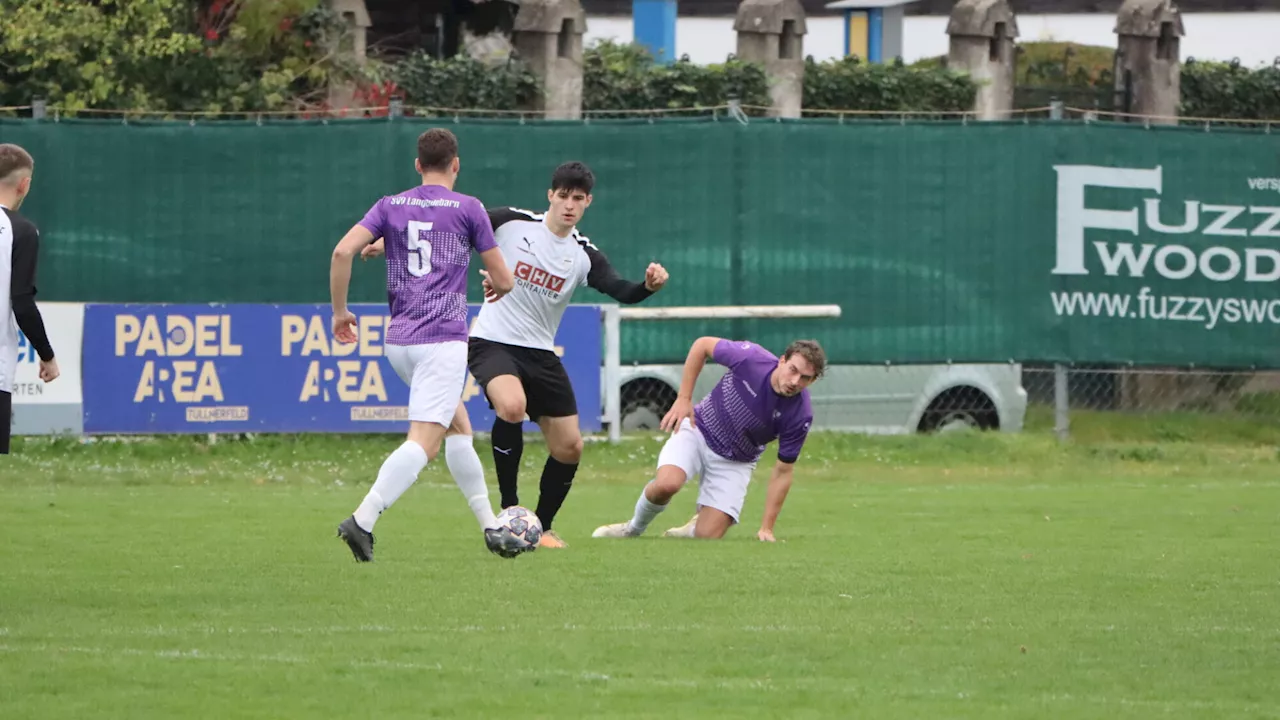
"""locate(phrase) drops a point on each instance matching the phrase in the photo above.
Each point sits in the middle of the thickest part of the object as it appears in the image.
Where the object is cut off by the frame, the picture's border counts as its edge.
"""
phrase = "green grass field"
(1132, 573)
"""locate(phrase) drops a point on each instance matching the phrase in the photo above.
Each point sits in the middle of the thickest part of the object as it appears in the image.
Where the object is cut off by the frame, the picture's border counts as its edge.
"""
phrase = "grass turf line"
(965, 576)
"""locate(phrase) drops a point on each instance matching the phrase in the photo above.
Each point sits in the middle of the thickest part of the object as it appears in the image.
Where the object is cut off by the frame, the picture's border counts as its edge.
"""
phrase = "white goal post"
(613, 315)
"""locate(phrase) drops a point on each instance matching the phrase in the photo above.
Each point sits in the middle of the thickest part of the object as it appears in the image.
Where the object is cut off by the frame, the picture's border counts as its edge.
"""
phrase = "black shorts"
(6, 411)
(547, 390)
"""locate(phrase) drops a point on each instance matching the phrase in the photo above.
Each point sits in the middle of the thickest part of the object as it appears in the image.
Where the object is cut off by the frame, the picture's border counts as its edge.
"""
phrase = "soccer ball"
(525, 527)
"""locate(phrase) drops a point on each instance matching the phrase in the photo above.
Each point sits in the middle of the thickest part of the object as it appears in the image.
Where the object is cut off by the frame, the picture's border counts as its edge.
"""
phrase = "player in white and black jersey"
(512, 344)
(19, 248)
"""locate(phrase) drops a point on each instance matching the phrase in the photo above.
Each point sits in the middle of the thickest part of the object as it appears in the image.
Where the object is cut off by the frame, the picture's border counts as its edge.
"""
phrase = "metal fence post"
(38, 108)
(1061, 416)
(1061, 398)
(612, 316)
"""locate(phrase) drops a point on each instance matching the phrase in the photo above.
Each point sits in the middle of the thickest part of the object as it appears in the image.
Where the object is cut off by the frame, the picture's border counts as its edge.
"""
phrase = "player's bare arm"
(779, 486)
(498, 278)
(373, 249)
(703, 349)
(344, 322)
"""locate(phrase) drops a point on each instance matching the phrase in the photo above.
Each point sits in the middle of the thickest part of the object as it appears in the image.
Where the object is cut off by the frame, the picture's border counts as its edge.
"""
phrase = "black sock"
(508, 445)
(557, 478)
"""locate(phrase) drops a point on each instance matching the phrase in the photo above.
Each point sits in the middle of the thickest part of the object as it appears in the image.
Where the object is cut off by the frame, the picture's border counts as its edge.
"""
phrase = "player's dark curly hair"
(573, 176)
(809, 350)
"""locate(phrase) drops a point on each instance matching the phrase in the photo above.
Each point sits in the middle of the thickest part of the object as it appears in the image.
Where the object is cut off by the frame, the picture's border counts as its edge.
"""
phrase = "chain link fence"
(1086, 400)
(1080, 402)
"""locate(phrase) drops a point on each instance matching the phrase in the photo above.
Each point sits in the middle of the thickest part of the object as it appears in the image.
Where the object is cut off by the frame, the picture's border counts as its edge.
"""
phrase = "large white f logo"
(1074, 217)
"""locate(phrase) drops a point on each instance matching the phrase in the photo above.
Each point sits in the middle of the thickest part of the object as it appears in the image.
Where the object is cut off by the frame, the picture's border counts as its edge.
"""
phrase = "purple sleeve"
(732, 353)
(791, 441)
(481, 228)
(375, 220)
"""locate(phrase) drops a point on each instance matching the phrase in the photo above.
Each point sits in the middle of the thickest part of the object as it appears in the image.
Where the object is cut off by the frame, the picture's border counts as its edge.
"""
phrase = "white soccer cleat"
(684, 531)
(616, 530)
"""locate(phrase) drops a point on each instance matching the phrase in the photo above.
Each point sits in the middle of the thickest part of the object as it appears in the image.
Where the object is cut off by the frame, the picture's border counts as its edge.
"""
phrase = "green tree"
(109, 54)
(171, 55)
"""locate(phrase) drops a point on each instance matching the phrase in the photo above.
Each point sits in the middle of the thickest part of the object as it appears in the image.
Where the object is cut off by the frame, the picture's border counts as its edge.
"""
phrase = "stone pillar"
(356, 16)
(548, 38)
(1148, 66)
(982, 45)
(771, 34)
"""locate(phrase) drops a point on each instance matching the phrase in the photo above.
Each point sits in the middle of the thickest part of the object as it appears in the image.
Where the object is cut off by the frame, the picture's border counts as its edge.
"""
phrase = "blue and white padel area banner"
(275, 368)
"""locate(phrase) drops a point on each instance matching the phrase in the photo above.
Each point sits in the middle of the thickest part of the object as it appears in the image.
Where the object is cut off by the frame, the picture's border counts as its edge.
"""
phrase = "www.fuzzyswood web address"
(1144, 306)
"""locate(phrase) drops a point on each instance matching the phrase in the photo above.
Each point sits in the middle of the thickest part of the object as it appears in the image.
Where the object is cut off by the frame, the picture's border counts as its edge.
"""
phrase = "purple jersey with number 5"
(429, 233)
(742, 413)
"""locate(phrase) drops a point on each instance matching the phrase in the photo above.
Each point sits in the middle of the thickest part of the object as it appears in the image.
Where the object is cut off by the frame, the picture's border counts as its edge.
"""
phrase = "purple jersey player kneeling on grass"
(429, 233)
(760, 398)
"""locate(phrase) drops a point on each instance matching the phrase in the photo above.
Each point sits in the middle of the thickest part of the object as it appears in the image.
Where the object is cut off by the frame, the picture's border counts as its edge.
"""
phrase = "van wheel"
(645, 402)
(960, 408)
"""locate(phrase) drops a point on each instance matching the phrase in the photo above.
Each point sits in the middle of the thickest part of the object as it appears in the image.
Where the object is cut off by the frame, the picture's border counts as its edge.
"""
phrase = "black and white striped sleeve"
(22, 288)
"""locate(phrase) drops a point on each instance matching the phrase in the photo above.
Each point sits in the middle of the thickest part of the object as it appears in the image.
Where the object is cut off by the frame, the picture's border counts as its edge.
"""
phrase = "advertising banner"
(275, 368)
(41, 408)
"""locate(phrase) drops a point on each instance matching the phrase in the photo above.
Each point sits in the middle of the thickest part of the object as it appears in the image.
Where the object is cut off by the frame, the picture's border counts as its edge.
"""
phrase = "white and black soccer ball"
(525, 527)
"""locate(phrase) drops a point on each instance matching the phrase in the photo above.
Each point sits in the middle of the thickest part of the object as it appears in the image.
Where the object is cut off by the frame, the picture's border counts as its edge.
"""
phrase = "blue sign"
(276, 368)
(26, 351)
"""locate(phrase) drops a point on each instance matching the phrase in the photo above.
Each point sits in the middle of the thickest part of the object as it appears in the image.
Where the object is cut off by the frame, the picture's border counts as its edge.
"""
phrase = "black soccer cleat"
(501, 543)
(358, 539)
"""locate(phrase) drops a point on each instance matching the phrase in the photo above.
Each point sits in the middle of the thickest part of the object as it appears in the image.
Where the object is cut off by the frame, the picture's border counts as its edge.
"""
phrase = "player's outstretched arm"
(779, 486)
(604, 278)
(703, 349)
(356, 239)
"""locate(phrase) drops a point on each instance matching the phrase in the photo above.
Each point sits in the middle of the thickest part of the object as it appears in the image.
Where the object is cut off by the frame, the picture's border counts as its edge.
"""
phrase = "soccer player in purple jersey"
(429, 233)
(760, 398)
(512, 347)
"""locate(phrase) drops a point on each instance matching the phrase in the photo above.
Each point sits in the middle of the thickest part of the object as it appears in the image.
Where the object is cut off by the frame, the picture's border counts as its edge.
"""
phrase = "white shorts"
(723, 482)
(436, 374)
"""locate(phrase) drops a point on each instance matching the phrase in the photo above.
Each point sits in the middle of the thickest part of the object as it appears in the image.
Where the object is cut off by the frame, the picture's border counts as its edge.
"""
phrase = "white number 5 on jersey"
(419, 260)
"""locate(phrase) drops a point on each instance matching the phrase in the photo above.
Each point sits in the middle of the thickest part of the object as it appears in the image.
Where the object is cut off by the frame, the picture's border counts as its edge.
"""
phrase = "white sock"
(464, 464)
(645, 513)
(398, 472)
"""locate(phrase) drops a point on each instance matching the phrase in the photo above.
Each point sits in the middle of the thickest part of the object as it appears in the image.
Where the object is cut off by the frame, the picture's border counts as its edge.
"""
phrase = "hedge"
(627, 77)
(1210, 89)
(1228, 90)
(461, 82)
(622, 77)
(851, 84)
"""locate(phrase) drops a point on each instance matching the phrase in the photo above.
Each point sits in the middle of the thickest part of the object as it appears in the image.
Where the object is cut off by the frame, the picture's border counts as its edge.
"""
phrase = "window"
(564, 41)
(789, 42)
(996, 41)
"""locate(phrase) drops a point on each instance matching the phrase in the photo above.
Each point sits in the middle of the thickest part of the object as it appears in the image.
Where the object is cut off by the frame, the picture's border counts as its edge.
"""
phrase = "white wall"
(1254, 38)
